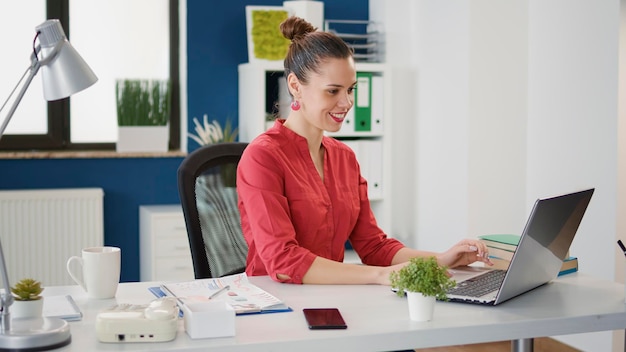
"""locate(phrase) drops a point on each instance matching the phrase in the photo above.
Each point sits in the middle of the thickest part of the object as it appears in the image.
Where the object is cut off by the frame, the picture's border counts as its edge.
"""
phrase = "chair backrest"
(208, 195)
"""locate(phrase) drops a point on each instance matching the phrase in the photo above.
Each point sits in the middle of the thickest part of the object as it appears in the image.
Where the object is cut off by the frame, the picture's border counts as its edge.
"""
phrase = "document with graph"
(236, 290)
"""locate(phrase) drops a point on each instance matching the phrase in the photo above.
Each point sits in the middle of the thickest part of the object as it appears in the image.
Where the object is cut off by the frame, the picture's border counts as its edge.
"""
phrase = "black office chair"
(206, 186)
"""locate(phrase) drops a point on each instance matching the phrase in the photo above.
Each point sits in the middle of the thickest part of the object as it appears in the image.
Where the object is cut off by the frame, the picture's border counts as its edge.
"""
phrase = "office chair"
(206, 186)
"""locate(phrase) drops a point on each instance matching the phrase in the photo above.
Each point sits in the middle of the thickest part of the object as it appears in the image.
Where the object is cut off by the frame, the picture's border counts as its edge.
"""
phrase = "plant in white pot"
(143, 113)
(27, 300)
(424, 281)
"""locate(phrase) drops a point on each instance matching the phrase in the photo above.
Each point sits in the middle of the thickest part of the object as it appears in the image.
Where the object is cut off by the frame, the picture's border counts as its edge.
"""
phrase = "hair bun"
(295, 28)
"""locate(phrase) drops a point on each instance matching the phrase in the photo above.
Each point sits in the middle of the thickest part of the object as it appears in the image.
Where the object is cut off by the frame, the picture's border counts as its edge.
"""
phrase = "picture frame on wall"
(265, 41)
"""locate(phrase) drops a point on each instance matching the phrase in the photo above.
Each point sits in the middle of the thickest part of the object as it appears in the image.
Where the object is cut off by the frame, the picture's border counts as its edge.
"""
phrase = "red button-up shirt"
(289, 215)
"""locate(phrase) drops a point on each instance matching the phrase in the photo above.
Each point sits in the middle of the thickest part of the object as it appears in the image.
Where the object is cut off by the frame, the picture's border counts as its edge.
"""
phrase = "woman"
(301, 194)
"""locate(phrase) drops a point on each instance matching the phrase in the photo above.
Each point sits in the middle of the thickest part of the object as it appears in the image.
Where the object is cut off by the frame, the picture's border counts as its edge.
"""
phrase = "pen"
(169, 293)
(215, 294)
(621, 245)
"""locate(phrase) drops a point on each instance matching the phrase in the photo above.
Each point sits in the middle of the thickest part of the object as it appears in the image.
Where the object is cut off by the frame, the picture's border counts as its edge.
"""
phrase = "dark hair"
(309, 48)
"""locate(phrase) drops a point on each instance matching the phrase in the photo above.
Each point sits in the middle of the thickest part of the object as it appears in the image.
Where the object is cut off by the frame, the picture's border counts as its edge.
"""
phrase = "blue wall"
(216, 45)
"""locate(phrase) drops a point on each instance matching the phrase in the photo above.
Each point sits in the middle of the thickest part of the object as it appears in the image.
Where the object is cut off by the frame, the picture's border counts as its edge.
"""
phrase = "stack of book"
(501, 248)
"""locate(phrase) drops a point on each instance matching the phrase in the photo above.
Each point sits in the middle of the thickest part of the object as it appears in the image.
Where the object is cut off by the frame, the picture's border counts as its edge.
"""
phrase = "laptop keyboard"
(480, 285)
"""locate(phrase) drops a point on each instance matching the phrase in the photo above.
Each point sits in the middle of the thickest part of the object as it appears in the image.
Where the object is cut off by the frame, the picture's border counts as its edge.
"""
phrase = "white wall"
(467, 115)
(620, 268)
(572, 123)
(442, 114)
(572, 114)
(404, 142)
(512, 100)
(498, 85)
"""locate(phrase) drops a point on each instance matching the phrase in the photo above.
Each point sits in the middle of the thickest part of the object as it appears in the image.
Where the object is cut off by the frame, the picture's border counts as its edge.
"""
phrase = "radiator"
(40, 229)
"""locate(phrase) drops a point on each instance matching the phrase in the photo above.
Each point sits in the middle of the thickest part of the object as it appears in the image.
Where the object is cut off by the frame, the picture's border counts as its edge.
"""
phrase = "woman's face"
(329, 95)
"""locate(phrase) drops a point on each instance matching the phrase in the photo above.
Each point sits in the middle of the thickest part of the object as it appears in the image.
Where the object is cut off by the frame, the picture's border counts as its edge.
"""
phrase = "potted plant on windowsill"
(424, 281)
(27, 300)
(143, 112)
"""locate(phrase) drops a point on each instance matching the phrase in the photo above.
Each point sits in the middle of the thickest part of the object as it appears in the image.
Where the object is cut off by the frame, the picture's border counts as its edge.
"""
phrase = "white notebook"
(62, 307)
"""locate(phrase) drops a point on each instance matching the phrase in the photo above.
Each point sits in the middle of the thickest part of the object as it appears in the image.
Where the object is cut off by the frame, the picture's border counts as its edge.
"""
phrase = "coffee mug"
(100, 272)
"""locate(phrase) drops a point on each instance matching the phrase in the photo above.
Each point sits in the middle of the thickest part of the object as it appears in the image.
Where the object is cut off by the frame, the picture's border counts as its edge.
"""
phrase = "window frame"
(58, 136)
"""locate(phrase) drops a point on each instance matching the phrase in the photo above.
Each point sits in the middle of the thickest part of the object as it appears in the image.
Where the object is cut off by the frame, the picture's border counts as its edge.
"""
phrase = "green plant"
(423, 275)
(27, 290)
(143, 102)
(212, 132)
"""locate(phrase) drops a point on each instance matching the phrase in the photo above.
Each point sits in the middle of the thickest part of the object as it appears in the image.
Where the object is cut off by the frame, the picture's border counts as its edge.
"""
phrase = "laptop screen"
(547, 237)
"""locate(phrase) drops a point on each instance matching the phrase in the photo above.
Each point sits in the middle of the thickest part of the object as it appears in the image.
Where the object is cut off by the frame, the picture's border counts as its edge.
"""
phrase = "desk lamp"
(64, 73)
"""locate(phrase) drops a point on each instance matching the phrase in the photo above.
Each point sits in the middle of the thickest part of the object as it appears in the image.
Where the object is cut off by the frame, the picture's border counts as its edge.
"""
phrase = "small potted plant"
(27, 300)
(423, 281)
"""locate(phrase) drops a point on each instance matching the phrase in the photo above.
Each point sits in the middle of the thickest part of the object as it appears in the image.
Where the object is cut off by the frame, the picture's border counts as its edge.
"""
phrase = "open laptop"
(543, 245)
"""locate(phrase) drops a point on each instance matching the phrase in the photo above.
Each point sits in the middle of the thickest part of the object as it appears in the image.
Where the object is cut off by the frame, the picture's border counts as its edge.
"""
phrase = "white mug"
(100, 272)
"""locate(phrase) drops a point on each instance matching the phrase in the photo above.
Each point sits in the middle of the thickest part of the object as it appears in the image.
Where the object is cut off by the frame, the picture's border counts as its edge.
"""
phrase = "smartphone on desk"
(324, 318)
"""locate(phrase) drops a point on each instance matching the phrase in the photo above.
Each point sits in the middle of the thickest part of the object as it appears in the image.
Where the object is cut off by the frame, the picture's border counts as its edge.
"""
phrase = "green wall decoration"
(268, 41)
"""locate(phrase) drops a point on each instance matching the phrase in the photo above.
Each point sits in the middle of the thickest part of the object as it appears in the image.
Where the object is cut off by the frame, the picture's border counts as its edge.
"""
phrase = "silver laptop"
(544, 243)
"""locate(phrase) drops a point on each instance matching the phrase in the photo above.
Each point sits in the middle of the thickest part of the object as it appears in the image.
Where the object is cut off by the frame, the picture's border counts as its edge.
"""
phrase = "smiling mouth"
(338, 117)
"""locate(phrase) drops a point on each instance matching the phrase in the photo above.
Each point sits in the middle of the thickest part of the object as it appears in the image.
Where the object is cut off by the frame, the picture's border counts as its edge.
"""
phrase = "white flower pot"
(142, 138)
(421, 307)
(27, 309)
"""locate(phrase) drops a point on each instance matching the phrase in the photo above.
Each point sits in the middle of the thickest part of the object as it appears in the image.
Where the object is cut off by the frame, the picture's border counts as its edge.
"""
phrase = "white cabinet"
(367, 130)
(163, 244)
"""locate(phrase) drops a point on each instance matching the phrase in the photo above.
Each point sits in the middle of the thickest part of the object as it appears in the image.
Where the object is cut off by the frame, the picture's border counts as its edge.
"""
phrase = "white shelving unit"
(258, 82)
(163, 244)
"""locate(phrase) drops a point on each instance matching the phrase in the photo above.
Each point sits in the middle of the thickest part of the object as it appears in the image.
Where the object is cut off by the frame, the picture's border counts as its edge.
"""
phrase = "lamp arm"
(6, 298)
(35, 65)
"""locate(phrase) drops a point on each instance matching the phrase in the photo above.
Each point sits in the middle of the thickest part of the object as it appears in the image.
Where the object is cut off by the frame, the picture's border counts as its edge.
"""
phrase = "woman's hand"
(465, 252)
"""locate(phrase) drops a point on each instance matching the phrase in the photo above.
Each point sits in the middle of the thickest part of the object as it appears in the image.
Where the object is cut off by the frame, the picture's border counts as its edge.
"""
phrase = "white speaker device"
(155, 322)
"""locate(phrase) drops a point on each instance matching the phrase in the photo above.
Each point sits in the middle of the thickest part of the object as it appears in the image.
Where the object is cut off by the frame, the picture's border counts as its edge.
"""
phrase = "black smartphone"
(324, 318)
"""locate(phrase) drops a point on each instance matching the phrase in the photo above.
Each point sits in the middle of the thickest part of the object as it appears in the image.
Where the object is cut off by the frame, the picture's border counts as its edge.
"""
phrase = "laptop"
(543, 245)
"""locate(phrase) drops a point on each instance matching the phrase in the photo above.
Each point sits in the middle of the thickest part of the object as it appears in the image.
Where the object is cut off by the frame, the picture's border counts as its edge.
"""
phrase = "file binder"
(363, 102)
(369, 154)
(378, 105)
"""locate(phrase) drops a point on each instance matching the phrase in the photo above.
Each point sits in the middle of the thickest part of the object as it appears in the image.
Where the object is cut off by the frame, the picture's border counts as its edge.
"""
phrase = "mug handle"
(77, 278)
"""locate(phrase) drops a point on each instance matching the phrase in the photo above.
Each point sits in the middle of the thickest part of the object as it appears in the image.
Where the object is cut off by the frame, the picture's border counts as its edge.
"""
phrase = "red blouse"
(289, 216)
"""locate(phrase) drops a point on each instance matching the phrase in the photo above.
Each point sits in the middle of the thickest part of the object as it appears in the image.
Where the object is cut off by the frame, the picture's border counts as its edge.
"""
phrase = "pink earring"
(295, 105)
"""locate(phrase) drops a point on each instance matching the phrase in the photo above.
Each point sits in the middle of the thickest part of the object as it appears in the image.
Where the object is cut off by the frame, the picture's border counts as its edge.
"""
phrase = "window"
(118, 39)
(30, 117)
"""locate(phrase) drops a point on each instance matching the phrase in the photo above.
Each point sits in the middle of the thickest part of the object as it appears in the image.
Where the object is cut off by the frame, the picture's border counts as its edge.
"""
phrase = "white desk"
(378, 320)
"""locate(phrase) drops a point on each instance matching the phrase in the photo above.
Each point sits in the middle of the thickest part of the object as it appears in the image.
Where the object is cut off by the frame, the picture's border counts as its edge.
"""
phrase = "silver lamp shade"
(64, 72)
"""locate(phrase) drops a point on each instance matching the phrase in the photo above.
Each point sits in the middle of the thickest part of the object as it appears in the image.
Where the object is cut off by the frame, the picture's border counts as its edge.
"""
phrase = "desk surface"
(378, 319)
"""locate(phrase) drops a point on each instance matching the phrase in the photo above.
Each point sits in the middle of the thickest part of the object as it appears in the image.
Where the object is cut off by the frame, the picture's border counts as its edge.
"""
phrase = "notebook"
(62, 306)
(236, 290)
(543, 245)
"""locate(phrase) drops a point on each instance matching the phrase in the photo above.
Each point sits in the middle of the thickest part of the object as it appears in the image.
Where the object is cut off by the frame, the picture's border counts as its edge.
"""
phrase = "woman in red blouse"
(301, 193)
